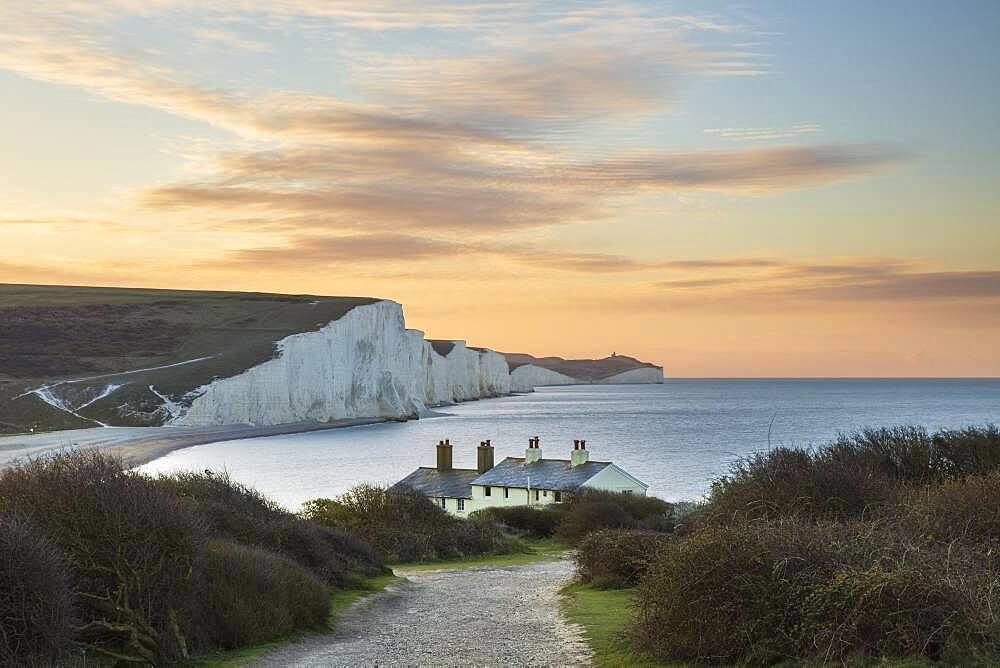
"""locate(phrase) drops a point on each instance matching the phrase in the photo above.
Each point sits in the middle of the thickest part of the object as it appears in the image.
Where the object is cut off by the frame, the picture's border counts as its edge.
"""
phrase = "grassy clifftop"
(50, 334)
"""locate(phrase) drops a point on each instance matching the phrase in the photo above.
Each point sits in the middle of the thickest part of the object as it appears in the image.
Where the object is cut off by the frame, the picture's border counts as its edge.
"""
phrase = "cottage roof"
(453, 484)
(555, 474)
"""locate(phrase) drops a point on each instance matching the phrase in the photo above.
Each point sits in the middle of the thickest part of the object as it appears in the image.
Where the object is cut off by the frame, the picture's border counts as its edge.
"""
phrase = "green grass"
(534, 549)
(339, 602)
(603, 614)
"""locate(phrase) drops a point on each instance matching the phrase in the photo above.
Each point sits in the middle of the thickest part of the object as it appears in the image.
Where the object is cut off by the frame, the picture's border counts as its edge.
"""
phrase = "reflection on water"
(676, 437)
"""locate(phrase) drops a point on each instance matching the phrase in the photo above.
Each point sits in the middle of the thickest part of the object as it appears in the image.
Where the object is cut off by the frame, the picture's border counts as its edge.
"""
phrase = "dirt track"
(495, 616)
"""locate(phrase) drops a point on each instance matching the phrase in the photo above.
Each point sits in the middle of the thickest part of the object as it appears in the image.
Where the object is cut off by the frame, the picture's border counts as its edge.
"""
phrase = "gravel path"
(456, 617)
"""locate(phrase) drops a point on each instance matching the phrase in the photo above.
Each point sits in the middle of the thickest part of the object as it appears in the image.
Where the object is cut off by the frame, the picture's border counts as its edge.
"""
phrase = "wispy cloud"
(228, 40)
(852, 279)
(796, 131)
(463, 191)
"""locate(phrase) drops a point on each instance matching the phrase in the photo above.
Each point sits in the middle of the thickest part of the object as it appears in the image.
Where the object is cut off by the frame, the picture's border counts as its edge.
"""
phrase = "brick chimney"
(580, 454)
(485, 456)
(534, 451)
(444, 455)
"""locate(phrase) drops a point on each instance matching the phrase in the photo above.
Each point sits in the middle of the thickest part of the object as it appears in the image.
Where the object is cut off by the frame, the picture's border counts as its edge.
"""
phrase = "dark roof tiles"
(555, 474)
(453, 484)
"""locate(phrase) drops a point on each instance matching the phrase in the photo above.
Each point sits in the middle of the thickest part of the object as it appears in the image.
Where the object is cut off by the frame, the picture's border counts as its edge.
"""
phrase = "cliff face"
(527, 377)
(366, 364)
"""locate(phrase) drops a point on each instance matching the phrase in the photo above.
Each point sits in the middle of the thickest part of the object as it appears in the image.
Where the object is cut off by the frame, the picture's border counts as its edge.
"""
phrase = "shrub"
(403, 525)
(769, 592)
(785, 482)
(36, 600)
(967, 511)
(614, 558)
(852, 475)
(237, 513)
(133, 547)
(253, 596)
(589, 510)
(526, 521)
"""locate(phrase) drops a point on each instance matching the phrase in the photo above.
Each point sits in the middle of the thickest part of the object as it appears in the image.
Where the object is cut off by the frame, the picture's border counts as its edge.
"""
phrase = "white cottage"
(531, 480)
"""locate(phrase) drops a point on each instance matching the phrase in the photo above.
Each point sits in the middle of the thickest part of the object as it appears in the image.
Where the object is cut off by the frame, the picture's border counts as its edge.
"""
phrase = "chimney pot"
(484, 457)
(444, 455)
(583, 445)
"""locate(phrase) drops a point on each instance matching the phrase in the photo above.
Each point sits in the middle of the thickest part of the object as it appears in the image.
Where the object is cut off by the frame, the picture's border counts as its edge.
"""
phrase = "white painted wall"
(613, 479)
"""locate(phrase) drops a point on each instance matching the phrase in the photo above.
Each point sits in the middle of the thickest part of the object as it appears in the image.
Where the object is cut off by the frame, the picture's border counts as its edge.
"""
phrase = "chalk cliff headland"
(285, 359)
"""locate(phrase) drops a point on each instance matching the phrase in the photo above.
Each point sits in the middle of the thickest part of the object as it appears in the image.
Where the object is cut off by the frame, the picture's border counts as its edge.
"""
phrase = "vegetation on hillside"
(403, 525)
(131, 568)
(879, 546)
(54, 333)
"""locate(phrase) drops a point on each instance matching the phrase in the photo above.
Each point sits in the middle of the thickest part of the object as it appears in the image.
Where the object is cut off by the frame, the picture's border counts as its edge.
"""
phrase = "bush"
(589, 510)
(403, 525)
(851, 476)
(785, 482)
(254, 596)
(526, 521)
(36, 600)
(614, 558)
(134, 549)
(769, 592)
(237, 513)
(966, 511)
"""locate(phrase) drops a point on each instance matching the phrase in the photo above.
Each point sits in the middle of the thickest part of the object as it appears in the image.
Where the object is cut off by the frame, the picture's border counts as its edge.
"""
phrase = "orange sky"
(718, 192)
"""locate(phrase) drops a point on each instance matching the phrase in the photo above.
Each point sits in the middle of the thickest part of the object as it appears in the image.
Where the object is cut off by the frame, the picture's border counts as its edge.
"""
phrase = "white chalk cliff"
(365, 364)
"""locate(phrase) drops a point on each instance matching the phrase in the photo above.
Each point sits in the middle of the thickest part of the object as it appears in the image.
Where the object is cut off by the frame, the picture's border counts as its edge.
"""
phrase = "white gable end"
(613, 479)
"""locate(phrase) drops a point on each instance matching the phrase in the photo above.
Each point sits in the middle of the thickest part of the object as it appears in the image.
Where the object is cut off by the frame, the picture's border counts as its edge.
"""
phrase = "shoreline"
(141, 445)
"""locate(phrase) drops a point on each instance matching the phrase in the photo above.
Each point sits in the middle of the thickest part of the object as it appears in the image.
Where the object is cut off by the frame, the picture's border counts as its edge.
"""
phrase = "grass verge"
(533, 549)
(603, 614)
(339, 602)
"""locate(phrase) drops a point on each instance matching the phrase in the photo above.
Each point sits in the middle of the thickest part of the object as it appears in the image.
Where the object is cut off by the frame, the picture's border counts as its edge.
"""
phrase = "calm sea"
(676, 437)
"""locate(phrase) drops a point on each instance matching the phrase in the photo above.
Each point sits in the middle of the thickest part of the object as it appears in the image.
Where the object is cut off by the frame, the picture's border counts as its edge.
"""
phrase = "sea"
(676, 437)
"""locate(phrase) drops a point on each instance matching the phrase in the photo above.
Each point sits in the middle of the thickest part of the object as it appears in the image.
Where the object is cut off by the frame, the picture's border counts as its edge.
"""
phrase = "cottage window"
(506, 493)
(545, 493)
(461, 504)
(444, 502)
(487, 491)
(536, 495)
(558, 496)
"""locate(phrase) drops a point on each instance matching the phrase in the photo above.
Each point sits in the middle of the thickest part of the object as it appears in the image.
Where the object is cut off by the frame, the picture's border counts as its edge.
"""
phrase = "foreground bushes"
(526, 521)
(768, 592)
(618, 557)
(155, 564)
(36, 601)
(590, 510)
(254, 595)
(134, 551)
(852, 475)
(239, 514)
(404, 525)
(883, 544)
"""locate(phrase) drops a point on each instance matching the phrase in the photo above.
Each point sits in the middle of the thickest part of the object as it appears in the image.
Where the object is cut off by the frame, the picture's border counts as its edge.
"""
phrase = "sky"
(728, 190)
